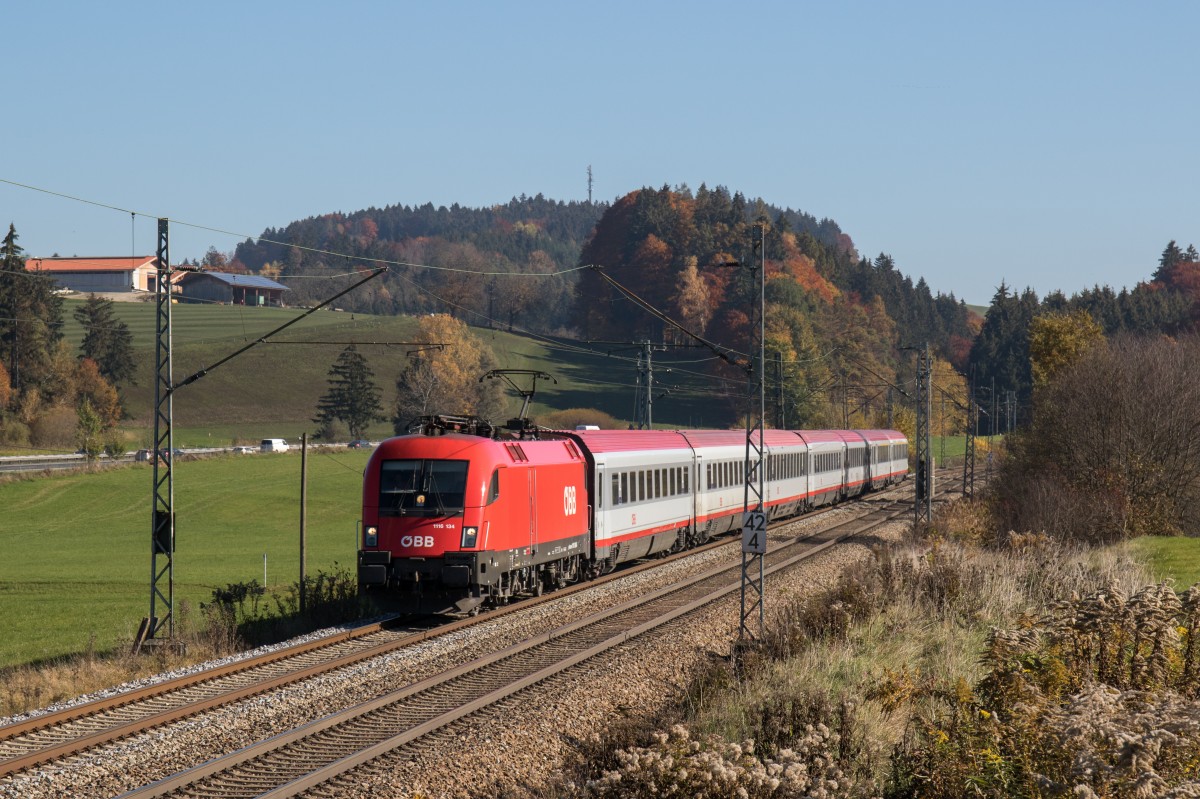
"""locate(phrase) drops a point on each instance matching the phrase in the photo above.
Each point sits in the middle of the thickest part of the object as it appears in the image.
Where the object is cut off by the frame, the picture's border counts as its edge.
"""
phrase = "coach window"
(616, 489)
(641, 492)
(624, 488)
(674, 482)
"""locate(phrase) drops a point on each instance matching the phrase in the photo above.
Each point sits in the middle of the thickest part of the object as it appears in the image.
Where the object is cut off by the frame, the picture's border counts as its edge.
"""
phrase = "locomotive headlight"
(371, 536)
(469, 535)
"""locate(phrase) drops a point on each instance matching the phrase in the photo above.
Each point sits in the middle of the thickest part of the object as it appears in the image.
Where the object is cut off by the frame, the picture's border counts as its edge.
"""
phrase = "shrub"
(1112, 450)
(570, 418)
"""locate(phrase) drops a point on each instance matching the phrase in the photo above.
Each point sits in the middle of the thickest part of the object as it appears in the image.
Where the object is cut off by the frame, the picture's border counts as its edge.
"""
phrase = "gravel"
(529, 737)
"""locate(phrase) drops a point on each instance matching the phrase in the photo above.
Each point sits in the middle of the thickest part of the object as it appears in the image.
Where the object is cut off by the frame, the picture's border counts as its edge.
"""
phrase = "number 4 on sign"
(754, 533)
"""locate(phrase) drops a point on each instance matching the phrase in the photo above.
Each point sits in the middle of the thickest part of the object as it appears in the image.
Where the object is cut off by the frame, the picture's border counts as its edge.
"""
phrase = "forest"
(836, 321)
(673, 267)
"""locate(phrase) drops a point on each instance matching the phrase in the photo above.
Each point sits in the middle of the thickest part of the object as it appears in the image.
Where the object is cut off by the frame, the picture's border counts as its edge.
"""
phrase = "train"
(459, 516)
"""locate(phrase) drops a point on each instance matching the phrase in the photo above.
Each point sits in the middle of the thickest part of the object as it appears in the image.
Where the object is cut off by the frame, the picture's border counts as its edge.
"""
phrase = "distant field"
(77, 547)
(1175, 558)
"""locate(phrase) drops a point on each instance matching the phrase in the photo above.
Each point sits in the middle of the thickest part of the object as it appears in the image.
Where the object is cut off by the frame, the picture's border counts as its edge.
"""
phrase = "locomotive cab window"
(494, 488)
(422, 487)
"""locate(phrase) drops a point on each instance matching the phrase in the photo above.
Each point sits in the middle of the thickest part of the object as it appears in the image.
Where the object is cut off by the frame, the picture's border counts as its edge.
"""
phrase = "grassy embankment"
(941, 669)
(76, 567)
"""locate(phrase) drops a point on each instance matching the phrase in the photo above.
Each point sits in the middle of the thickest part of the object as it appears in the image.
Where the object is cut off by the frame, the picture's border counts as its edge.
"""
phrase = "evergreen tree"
(1000, 354)
(30, 317)
(107, 340)
(352, 396)
(1171, 257)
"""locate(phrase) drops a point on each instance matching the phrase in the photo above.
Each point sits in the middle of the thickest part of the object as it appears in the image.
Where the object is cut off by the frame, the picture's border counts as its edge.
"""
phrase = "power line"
(261, 239)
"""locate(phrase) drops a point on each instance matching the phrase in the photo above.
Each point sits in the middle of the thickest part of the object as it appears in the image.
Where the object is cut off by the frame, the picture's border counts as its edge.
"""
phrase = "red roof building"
(100, 275)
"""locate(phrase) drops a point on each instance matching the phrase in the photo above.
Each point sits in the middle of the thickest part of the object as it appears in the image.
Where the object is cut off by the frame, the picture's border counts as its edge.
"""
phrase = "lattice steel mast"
(162, 539)
(754, 529)
(923, 503)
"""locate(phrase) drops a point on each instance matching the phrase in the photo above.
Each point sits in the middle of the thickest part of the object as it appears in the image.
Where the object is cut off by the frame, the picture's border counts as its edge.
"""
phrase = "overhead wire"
(262, 239)
(721, 352)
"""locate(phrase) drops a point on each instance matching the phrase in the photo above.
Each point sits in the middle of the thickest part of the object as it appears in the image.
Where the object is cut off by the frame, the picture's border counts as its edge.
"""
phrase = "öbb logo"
(416, 541)
(570, 504)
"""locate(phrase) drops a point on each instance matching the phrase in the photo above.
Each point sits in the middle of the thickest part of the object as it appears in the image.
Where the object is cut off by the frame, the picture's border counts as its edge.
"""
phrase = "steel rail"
(337, 725)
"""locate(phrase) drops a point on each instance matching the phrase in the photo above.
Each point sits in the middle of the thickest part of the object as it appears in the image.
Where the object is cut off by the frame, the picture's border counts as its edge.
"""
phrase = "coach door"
(597, 507)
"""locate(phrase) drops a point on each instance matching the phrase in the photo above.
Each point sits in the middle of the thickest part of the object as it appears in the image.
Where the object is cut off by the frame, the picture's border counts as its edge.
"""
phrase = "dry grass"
(943, 669)
(26, 688)
(241, 615)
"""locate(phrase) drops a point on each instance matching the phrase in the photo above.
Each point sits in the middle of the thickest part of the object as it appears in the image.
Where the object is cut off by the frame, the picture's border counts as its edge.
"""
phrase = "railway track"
(298, 760)
(56, 736)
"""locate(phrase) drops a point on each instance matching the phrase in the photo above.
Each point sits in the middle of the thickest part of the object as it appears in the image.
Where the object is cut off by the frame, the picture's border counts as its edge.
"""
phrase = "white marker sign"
(754, 533)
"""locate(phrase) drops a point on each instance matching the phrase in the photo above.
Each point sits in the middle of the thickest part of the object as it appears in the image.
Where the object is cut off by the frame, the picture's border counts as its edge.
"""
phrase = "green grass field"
(272, 389)
(76, 547)
(1175, 558)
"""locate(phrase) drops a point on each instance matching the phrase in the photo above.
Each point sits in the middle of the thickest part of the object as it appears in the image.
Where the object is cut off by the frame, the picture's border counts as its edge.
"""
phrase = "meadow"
(75, 574)
(272, 389)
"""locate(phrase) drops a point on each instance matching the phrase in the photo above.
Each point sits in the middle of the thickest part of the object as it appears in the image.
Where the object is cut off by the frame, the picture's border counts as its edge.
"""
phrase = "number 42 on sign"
(754, 532)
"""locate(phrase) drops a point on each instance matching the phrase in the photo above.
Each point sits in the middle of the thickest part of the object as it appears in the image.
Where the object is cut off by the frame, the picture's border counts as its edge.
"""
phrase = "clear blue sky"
(1048, 144)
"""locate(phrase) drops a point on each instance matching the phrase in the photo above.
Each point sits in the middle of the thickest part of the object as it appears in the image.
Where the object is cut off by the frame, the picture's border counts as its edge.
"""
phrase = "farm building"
(100, 275)
(230, 289)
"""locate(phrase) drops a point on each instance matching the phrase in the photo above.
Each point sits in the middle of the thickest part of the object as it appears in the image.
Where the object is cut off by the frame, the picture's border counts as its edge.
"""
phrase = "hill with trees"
(834, 316)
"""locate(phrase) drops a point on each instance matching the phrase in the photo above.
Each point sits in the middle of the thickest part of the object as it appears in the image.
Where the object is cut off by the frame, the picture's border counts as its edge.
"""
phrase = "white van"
(273, 445)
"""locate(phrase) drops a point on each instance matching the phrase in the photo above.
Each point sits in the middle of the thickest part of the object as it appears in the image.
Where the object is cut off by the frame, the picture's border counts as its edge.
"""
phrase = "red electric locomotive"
(455, 519)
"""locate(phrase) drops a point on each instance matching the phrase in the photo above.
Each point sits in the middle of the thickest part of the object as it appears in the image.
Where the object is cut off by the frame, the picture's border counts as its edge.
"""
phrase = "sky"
(1050, 145)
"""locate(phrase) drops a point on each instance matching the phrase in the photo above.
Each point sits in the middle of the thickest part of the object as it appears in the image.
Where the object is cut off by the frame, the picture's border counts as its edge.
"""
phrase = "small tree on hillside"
(89, 432)
(447, 380)
(107, 340)
(352, 397)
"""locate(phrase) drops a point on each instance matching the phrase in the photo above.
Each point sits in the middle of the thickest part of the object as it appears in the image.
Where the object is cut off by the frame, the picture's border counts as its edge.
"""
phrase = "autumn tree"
(1057, 340)
(352, 397)
(89, 386)
(949, 399)
(107, 340)
(214, 260)
(89, 431)
(447, 379)
(805, 374)
(691, 298)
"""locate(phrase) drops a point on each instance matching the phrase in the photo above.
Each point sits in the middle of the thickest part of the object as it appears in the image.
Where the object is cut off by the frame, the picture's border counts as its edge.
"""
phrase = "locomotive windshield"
(422, 487)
